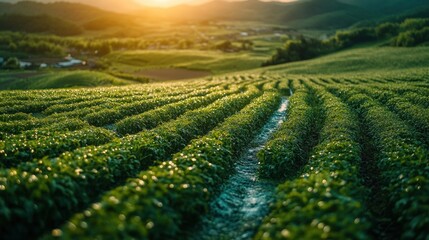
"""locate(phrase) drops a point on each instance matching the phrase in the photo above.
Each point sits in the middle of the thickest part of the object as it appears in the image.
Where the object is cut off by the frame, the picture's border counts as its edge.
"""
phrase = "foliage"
(38, 24)
(297, 50)
(64, 177)
(11, 64)
(160, 196)
(319, 204)
(412, 38)
(409, 33)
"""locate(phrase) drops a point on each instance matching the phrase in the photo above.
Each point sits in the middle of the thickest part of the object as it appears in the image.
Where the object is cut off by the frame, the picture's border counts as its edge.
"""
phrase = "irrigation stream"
(244, 199)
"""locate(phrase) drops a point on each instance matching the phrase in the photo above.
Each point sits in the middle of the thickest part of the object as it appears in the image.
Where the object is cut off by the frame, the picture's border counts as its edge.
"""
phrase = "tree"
(11, 64)
(387, 30)
(225, 46)
(12, 46)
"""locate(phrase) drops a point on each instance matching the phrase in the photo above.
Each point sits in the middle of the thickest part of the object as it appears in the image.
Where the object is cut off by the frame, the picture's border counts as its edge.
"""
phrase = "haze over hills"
(109, 5)
(320, 14)
(68, 11)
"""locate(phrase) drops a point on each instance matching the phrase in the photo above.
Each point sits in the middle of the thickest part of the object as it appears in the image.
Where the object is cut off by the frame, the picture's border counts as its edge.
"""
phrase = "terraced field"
(328, 157)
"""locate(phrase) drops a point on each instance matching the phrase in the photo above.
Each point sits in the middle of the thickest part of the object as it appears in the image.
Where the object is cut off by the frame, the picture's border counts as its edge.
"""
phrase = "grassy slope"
(212, 61)
(60, 80)
(361, 60)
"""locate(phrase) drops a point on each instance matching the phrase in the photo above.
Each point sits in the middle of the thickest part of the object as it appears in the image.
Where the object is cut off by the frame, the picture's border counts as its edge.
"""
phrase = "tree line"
(409, 33)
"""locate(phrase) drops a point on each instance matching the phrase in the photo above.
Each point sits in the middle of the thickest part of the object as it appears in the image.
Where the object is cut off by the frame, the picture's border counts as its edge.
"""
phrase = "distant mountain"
(387, 6)
(291, 14)
(38, 24)
(391, 10)
(108, 5)
(68, 11)
(310, 14)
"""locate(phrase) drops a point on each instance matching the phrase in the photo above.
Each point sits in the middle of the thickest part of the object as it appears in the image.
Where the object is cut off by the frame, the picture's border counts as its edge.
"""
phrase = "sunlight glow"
(169, 3)
(162, 3)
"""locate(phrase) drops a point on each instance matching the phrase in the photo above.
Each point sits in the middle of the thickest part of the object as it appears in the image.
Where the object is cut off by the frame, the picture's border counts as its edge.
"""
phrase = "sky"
(130, 3)
(177, 2)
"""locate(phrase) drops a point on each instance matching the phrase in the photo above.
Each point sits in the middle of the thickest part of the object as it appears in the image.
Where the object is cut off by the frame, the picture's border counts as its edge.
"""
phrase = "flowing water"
(244, 199)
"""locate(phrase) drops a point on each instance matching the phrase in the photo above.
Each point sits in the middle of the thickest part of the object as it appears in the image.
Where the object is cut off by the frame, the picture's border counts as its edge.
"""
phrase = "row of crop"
(164, 201)
(15, 117)
(417, 99)
(287, 149)
(38, 101)
(52, 189)
(109, 116)
(66, 107)
(151, 119)
(48, 130)
(326, 201)
(284, 87)
(16, 150)
(414, 115)
(16, 127)
(270, 86)
(97, 115)
(402, 162)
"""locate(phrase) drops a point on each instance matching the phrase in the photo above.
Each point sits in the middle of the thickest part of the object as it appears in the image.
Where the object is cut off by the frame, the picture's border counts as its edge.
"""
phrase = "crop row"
(66, 107)
(326, 201)
(163, 201)
(51, 189)
(402, 162)
(414, 115)
(14, 151)
(39, 127)
(15, 117)
(109, 116)
(150, 119)
(96, 115)
(286, 151)
(38, 101)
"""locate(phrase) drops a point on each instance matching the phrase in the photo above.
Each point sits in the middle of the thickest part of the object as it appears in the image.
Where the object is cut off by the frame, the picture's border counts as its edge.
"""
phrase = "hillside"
(38, 24)
(160, 161)
(122, 6)
(75, 79)
(67, 11)
(309, 14)
(387, 7)
(368, 59)
(290, 14)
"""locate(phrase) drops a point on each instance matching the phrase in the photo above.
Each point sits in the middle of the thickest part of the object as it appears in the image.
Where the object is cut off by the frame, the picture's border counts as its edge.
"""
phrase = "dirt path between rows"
(244, 200)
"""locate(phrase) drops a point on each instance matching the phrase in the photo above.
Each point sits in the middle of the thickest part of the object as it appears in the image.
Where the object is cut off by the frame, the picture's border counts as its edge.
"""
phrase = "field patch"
(173, 74)
(47, 80)
(216, 62)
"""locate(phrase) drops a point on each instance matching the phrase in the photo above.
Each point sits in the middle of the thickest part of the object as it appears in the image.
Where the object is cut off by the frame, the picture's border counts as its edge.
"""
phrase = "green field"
(211, 61)
(349, 161)
(58, 79)
(159, 123)
(365, 59)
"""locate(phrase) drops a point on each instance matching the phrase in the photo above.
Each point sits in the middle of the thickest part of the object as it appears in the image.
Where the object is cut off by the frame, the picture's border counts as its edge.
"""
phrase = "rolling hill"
(121, 6)
(67, 11)
(310, 14)
(290, 14)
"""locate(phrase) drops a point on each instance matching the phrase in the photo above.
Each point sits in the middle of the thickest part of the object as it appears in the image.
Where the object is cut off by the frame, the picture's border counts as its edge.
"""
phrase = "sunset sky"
(177, 2)
(158, 3)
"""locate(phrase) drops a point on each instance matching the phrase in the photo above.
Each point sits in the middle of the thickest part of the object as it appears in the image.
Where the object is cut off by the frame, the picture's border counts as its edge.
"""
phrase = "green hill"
(290, 14)
(38, 24)
(67, 11)
(361, 60)
(72, 79)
